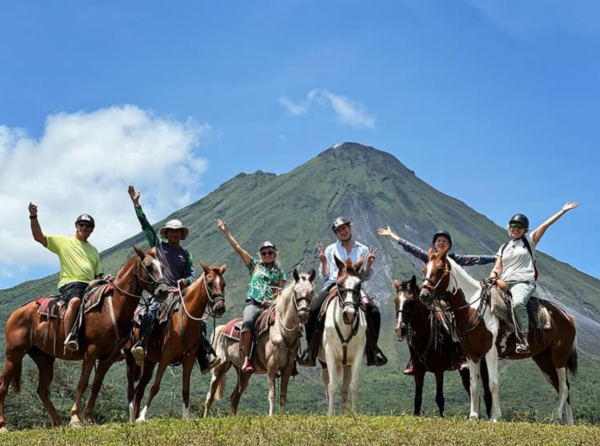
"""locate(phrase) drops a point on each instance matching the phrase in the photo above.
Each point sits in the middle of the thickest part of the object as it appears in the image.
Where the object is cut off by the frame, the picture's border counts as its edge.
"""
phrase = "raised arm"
(323, 259)
(246, 258)
(408, 247)
(149, 231)
(36, 229)
(537, 234)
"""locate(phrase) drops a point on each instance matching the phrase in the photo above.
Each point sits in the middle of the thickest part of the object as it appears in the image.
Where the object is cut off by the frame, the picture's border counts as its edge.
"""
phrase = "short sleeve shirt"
(263, 280)
(79, 261)
(517, 263)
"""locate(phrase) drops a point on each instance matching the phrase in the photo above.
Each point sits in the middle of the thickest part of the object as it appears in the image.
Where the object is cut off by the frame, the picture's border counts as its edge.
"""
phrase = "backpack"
(528, 246)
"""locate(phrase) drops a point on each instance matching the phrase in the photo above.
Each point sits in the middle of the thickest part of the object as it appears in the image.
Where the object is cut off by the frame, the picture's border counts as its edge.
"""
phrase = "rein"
(296, 301)
(354, 329)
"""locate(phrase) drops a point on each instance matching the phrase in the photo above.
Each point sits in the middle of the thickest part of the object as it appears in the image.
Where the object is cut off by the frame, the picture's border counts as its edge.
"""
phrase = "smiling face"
(174, 236)
(441, 242)
(344, 232)
(516, 230)
(83, 230)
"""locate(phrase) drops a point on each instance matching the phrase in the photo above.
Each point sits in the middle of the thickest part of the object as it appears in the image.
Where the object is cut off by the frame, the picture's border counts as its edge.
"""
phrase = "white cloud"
(347, 111)
(83, 163)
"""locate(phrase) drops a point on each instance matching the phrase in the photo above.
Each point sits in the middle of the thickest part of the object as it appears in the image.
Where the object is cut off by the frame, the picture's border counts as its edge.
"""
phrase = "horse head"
(406, 293)
(149, 274)
(436, 276)
(303, 293)
(348, 288)
(215, 289)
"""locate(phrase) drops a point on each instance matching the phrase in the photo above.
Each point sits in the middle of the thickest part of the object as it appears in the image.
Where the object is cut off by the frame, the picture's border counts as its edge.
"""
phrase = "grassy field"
(313, 430)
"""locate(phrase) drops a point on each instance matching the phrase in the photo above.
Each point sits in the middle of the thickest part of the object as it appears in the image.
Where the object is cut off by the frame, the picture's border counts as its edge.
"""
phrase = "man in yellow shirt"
(79, 264)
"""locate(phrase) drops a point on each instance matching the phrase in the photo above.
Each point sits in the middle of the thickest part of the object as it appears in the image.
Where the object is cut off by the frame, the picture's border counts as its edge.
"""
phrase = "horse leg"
(272, 390)
(45, 365)
(419, 378)
(491, 358)
(84, 378)
(188, 365)
(439, 392)
(325, 378)
(11, 371)
(217, 383)
(285, 379)
(162, 368)
(132, 370)
(334, 373)
(243, 380)
(88, 412)
(355, 369)
(487, 395)
(147, 371)
(346, 376)
(474, 386)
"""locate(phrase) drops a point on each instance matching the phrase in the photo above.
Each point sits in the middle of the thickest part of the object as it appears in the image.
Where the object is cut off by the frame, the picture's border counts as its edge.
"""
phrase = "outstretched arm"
(408, 247)
(541, 230)
(470, 260)
(36, 229)
(246, 258)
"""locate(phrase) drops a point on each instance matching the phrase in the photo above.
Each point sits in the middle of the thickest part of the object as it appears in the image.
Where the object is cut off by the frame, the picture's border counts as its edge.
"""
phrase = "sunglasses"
(267, 253)
(517, 225)
(84, 225)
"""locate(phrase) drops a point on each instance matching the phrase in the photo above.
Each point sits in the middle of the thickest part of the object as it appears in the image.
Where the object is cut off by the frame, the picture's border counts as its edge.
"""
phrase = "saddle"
(164, 313)
(446, 320)
(53, 307)
(502, 308)
(364, 300)
(267, 318)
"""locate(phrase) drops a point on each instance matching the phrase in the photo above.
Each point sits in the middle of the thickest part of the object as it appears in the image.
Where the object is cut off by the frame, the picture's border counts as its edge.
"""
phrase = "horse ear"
(358, 265)
(139, 252)
(341, 265)
(413, 283)
(204, 267)
(397, 284)
(222, 269)
(295, 275)
(313, 274)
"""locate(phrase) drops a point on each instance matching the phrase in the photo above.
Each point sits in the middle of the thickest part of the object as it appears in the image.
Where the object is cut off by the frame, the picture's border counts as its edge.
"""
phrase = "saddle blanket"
(233, 328)
(54, 306)
(538, 313)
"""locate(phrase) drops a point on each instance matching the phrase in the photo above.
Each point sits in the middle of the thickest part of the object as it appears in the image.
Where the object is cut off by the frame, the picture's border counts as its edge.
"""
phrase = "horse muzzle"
(219, 309)
(348, 316)
(401, 332)
(303, 315)
(426, 297)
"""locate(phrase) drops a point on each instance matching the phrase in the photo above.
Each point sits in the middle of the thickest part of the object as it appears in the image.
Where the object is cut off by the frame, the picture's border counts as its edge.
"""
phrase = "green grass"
(313, 430)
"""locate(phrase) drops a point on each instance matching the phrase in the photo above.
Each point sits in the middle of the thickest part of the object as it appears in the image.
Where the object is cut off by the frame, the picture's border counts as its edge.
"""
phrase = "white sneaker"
(139, 354)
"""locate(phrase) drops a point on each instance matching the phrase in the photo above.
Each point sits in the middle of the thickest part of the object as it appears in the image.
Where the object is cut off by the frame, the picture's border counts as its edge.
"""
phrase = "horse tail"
(220, 346)
(221, 387)
(16, 381)
(572, 359)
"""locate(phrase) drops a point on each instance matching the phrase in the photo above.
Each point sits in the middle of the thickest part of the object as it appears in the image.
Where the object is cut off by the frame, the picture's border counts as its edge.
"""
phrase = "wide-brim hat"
(174, 224)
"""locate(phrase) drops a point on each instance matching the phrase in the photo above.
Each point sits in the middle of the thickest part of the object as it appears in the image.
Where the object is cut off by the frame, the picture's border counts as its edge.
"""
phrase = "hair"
(508, 230)
(275, 262)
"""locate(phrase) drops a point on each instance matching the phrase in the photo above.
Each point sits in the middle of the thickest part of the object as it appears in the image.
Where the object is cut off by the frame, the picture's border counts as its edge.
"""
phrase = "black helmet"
(442, 233)
(267, 244)
(340, 221)
(520, 218)
(85, 218)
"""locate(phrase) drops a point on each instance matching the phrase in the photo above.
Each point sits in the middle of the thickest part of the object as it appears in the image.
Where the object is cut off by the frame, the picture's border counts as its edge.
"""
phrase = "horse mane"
(129, 263)
(196, 283)
(287, 293)
(463, 280)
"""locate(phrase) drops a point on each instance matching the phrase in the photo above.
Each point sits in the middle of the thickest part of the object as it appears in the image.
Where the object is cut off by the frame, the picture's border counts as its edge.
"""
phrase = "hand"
(321, 252)
(567, 207)
(266, 304)
(385, 232)
(371, 256)
(182, 284)
(135, 196)
(33, 209)
(222, 225)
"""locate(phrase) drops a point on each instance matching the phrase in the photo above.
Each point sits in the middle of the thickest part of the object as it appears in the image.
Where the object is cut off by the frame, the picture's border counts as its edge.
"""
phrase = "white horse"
(276, 348)
(344, 336)
(483, 335)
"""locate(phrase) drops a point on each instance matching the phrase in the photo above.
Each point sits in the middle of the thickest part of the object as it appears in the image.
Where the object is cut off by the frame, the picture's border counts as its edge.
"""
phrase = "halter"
(212, 297)
(136, 277)
(296, 301)
(355, 300)
(354, 328)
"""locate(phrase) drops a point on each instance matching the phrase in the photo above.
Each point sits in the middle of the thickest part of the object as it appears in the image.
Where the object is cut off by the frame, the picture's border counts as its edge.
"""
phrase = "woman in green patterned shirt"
(266, 280)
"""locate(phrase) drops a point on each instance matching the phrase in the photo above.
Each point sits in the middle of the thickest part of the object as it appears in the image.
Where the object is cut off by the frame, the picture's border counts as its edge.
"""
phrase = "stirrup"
(139, 355)
(247, 367)
(71, 344)
(522, 348)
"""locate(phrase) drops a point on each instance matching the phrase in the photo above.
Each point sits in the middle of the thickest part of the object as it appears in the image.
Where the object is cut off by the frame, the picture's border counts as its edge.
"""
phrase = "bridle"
(297, 300)
(212, 297)
(137, 277)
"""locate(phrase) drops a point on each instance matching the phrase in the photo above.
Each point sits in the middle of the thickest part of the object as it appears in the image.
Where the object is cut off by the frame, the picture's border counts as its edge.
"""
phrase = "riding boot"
(203, 358)
(374, 354)
(246, 339)
(139, 349)
(410, 368)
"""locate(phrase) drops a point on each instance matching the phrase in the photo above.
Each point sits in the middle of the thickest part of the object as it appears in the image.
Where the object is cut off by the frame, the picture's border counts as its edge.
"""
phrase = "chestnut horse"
(105, 331)
(344, 336)
(431, 347)
(276, 348)
(179, 339)
(484, 335)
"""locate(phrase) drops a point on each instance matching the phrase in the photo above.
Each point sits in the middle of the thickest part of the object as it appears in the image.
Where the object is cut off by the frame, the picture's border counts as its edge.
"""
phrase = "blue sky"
(492, 102)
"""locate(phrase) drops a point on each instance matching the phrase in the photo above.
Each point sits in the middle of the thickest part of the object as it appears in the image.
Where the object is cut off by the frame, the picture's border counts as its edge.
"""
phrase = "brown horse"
(179, 338)
(276, 348)
(484, 335)
(105, 331)
(431, 347)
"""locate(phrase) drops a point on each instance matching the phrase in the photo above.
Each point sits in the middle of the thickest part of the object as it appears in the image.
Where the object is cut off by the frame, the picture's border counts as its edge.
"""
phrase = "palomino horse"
(105, 331)
(344, 336)
(179, 338)
(484, 335)
(276, 348)
(431, 347)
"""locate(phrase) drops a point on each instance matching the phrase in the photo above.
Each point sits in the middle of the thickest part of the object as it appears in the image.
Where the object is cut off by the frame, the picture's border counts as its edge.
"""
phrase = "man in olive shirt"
(79, 264)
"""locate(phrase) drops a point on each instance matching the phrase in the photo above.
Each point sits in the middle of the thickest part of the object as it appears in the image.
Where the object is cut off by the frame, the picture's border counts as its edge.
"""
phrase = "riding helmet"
(85, 218)
(442, 233)
(520, 218)
(267, 244)
(340, 221)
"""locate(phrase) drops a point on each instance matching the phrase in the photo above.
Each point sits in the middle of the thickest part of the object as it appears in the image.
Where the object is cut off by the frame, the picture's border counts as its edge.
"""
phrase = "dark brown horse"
(484, 335)
(179, 340)
(105, 331)
(431, 347)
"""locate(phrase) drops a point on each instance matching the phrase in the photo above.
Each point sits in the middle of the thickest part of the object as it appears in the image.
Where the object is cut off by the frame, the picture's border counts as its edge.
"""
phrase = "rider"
(79, 265)
(345, 248)
(516, 266)
(178, 274)
(441, 240)
(265, 277)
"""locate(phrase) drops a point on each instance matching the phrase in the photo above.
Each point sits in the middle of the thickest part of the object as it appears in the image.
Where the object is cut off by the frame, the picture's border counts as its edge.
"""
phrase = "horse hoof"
(3, 430)
(474, 417)
(75, 424)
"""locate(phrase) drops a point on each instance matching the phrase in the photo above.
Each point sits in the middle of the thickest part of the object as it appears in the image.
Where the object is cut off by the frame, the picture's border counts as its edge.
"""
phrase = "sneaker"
(410, 370)
(522, 348)
(247, 367)
(139, 354)
(464, 365)
(211, 365)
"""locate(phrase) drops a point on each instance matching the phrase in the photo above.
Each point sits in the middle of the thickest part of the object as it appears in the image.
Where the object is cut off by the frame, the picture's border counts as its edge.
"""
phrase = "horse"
(179, 338)
(105, 331)
(276, 348)
(484, 335)
(431, 346)
(344, 336)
